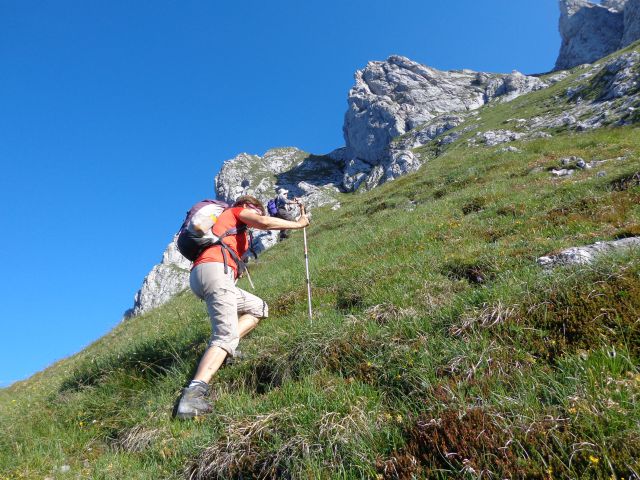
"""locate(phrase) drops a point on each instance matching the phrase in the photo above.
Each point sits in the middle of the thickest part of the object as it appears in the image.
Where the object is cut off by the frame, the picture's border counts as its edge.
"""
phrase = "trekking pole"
(253, 287)
(306, 263)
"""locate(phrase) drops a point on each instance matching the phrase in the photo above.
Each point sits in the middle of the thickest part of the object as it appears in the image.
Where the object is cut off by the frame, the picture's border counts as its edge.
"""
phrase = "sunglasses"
(256, 209)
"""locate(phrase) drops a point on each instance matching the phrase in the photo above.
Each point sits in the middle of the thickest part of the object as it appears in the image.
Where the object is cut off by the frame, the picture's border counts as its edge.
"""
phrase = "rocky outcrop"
(588, 253)
(164, 281)
(398, 95)
(392, 97)
(313, 178)
(631, 22)
(606, 94)
(591, 31)
(492, 138)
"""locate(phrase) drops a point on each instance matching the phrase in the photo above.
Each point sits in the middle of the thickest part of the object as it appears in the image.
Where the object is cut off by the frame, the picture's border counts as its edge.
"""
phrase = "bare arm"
(261, 222)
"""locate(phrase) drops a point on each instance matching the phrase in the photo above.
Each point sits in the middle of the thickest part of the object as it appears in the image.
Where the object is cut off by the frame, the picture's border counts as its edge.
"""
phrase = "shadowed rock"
(592, 31)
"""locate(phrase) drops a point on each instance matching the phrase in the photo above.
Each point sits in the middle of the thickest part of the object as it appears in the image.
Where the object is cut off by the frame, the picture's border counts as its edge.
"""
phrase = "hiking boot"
(193, 402)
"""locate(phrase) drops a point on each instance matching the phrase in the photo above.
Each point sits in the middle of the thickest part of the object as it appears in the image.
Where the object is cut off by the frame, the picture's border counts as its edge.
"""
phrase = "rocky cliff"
(591, 31)
(398, 95)
(168, 278)
(631, 22)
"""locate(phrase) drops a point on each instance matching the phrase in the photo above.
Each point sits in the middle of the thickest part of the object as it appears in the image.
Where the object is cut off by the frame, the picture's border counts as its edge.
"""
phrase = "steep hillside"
(398, 106)
(439, 346)
(389, 98)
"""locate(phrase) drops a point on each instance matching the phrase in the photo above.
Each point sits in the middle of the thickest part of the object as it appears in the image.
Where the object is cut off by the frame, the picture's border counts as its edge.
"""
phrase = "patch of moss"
(587, 316)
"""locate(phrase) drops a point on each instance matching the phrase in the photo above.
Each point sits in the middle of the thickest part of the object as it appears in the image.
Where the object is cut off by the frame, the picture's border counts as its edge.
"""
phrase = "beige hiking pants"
(225, 302)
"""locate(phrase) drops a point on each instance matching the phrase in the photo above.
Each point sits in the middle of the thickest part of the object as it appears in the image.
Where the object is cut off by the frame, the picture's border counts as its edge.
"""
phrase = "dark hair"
(249, 200)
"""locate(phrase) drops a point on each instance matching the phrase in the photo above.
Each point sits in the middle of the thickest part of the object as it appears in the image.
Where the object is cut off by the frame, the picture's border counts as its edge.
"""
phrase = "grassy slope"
(435, 332)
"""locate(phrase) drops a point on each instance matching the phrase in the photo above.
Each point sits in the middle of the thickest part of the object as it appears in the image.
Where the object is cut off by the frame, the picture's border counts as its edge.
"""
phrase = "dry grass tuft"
(388, 312)
(486, 317)
(271, 446)
(137, 439)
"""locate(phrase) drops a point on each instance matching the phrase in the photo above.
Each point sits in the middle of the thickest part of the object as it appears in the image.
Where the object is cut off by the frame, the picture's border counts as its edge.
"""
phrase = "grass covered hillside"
(439, 347)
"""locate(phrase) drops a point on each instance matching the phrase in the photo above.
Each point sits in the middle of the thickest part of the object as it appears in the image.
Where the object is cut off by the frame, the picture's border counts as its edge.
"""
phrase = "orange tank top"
(239, 242)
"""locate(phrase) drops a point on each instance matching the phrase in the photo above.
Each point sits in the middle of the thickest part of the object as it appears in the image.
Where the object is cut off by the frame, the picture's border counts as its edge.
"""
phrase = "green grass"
(438, 347)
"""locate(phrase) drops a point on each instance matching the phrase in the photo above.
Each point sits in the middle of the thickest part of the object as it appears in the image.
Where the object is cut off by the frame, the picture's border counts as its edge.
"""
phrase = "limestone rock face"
(397, 96)
(313, 178)
(392, 97)
(591, 31)
(164, 281)
(621, 77)
(631, 22)
(618, 5)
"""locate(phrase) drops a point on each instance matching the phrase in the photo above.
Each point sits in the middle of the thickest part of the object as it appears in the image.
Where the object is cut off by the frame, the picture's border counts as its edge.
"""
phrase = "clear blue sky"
(116, 115)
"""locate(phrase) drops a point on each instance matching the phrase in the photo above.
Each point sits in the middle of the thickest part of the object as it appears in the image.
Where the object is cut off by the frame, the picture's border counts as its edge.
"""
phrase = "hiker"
(233, 312)
(286, 210)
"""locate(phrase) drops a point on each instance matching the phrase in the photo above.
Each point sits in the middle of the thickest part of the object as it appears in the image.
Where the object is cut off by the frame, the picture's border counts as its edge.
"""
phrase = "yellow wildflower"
(594, 460)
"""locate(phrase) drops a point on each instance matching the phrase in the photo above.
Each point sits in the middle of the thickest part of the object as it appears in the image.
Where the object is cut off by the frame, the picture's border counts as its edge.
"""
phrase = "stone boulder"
(588, 253)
